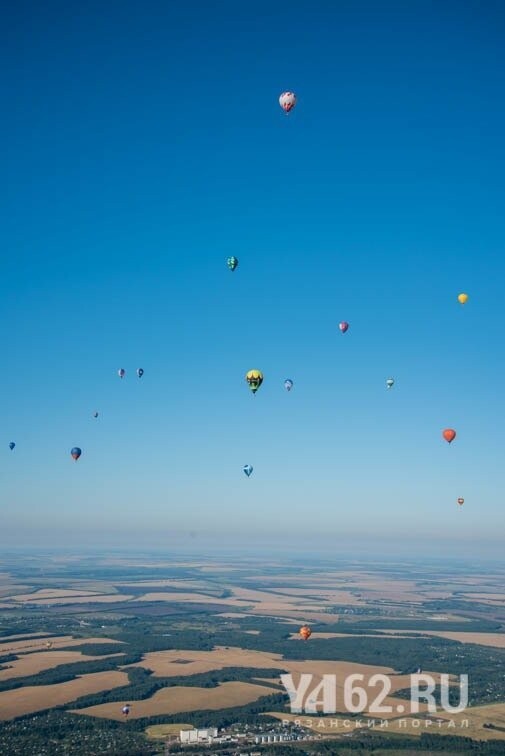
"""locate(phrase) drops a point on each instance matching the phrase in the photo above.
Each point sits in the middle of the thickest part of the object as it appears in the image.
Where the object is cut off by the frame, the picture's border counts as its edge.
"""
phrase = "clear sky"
(143, 144)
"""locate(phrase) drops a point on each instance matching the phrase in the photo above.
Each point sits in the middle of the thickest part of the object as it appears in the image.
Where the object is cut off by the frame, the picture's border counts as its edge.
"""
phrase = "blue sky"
(144, 145)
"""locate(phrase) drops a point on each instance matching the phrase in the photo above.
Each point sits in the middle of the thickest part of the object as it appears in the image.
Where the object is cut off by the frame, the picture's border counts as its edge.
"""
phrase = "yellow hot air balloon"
(254, 378)
(462, 298)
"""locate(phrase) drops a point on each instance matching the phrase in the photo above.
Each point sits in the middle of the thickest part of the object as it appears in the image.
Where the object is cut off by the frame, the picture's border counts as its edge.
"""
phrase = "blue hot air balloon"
(248, 469)
(12, 445)
(76, 453)
(288, 384)
(140, 372)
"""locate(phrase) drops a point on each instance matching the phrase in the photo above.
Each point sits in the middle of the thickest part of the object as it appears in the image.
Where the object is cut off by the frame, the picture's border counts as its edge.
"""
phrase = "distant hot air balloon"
(125, 710)
(390, 383)
(76, 453)
(49, 644)
(121, 372)
(305, 632)
(287, 101)
(254, 378)
(449, 435)
(95, 414)
(343, 326)
(462, 298)
(140, 372)
(461, 501)
(248, 470)
(12, 445)
(232, 263)
(288, 384)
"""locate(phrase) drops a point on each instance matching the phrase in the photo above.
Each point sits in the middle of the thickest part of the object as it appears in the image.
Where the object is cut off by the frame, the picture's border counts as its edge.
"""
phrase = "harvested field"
(32, 664)
(5, 638)
(91, 599)
(20, 647)
(14, 703)
(181, 699)
(481, 639)
(51, 593)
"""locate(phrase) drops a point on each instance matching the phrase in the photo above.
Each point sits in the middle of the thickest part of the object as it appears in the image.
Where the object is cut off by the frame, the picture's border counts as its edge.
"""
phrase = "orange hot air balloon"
(461, 501)
(305, 632)
(449, 434)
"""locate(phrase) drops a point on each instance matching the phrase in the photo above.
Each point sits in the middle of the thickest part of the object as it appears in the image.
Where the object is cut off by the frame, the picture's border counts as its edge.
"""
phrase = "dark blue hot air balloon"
(12, 445)
(140, 372)
(248, 470)
(76, 453)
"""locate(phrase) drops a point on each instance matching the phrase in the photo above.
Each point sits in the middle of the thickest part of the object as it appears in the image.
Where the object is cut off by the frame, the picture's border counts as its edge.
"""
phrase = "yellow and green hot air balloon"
(254, 378)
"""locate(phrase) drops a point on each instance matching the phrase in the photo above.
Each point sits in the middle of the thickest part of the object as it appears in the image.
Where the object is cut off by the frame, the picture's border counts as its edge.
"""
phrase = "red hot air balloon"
(461, 501)
(343, 326)
(449, 434)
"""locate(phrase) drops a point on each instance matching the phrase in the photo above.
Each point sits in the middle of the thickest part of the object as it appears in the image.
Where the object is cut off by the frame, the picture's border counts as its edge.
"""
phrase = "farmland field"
(194, 641)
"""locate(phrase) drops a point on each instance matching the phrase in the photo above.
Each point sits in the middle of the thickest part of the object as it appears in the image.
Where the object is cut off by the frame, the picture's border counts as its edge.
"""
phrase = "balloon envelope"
(254, 378)
(248, 470)
(95, 414)
(461, 501)
(449, 434)
(305, 632)
(462, 298)
(343, 326)
(390, 382)
(12, 445)
(287, 101)
(288, 384)
(232, 263)
(76, 453)
(140, 372)
(121, 372)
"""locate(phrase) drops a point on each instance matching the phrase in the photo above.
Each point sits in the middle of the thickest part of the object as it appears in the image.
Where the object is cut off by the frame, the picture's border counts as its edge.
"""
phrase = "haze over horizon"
(145, 146)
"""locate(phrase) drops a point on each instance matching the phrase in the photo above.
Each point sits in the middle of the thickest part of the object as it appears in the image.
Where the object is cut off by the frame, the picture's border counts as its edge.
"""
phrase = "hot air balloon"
(461, 501)
(462, 298)
(390, 382)
(343, 326)
(232, 263)
(95, 414)
(248, 470)
(12, 445)
(288, 384)
(449, 435)
(305, 632)
(125, 710)
(76, 453)
(121, 372)
(254, 378)
(140, 372)
(287, 101)
(49, 644)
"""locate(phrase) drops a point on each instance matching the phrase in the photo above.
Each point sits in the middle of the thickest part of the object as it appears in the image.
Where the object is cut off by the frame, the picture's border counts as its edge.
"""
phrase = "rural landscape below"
(201, 643)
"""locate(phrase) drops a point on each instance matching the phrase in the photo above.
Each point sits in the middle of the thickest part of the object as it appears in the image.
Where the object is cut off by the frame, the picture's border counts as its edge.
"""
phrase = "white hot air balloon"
(287, 101)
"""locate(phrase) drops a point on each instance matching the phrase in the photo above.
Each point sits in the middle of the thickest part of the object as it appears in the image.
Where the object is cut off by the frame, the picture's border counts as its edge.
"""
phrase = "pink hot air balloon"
(343, 326)
(287, 101)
